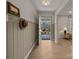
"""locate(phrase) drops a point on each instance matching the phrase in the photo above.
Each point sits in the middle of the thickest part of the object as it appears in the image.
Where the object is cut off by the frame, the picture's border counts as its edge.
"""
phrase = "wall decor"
(23, 23)
(12, 9)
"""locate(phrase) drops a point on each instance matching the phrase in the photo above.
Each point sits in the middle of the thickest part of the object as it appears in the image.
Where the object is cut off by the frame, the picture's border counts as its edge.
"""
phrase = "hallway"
(49, 50)
(30, 20)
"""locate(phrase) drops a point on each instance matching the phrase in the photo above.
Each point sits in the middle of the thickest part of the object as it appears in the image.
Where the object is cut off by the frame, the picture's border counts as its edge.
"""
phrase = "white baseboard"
(29, 52)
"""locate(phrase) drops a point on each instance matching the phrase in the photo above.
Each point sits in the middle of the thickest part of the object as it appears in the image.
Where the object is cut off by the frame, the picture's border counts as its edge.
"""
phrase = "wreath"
(23, 23)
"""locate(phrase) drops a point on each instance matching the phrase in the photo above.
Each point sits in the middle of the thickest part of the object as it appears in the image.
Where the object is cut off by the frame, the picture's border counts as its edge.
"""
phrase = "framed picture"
(13, 9)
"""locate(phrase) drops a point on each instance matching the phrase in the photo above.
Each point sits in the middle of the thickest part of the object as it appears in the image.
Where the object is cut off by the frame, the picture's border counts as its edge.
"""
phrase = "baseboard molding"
(29, 52)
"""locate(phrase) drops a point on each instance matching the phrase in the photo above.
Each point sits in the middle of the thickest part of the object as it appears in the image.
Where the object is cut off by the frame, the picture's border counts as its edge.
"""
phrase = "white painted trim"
(55, 28)
(29, 52)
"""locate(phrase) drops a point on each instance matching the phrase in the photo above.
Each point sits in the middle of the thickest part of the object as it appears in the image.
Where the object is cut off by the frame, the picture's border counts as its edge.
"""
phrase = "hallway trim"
(26, 57)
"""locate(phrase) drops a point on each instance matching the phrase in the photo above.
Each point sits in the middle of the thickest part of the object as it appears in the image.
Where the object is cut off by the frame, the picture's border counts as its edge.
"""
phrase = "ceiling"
(67, 8)
(53, 6)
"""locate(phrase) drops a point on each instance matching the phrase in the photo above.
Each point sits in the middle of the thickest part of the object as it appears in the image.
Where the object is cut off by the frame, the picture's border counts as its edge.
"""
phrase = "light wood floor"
(49, 50)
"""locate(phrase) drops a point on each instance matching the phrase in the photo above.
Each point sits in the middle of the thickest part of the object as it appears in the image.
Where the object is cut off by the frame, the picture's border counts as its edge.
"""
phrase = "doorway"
(45, 28)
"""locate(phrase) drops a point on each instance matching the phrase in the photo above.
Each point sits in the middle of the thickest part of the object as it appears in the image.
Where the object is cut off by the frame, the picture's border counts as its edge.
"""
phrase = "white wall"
(19, 42)
(63, 21)
(27, 10)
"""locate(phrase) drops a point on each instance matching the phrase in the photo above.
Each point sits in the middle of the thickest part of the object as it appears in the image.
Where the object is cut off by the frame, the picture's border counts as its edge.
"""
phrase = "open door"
(45, 24)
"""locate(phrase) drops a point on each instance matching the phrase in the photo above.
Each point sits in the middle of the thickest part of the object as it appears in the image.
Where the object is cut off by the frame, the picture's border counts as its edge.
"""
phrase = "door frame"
(43, 17)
